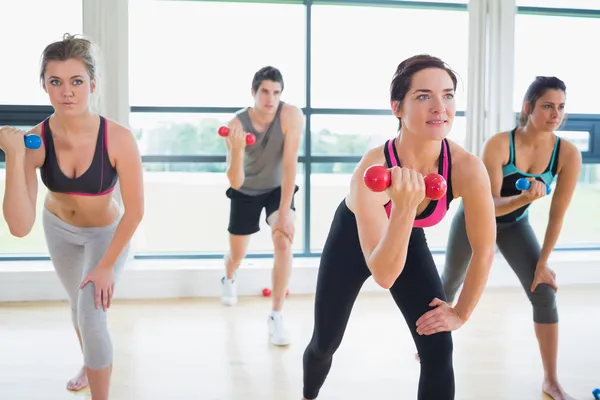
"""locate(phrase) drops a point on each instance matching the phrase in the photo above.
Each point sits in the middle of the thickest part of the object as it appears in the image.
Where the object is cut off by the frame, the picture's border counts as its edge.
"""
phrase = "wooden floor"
(197, 349)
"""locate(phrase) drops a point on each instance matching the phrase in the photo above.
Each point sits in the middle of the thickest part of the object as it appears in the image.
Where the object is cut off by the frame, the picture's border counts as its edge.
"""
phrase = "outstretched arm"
(566, 182)
(129, 168)
(294, 123)
(128, 164)
(472, 183)
(481, 231)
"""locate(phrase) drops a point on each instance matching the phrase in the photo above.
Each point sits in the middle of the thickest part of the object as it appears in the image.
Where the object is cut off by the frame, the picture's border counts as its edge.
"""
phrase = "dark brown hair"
(536, 90)
(403, 77)
(267, 73)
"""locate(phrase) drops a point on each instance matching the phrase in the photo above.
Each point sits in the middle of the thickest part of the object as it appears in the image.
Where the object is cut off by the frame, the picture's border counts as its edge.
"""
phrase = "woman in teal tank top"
(534, 152)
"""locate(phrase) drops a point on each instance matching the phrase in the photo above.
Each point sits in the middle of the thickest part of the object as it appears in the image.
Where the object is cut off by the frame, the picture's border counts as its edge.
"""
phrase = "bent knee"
(543, 300)
(281, 242)
(436, 348)
(321, 351)
(97, 358)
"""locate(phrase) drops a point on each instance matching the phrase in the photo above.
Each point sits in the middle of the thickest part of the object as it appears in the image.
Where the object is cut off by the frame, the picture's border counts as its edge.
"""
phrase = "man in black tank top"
(263, 175)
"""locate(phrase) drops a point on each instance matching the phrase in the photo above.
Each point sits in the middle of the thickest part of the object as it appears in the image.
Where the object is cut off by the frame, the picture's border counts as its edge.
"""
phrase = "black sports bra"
(99, 179)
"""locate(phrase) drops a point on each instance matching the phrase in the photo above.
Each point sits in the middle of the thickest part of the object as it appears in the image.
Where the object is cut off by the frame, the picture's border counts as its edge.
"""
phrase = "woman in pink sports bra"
(381, 234)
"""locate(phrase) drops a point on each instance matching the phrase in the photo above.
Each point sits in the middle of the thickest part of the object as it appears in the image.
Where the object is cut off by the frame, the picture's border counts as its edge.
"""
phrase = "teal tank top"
(511, 174)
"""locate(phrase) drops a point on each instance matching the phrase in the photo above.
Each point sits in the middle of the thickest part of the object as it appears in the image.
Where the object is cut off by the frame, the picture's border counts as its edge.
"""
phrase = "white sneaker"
(229, 293)
(278, 335)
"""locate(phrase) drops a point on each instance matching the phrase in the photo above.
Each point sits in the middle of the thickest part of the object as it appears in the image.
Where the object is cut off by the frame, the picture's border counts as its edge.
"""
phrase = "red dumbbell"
(267, 292)
(250, 138)
(378, 178)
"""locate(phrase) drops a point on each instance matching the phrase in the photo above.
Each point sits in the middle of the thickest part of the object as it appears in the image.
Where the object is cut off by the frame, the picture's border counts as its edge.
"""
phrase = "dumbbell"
(250, 138)
(32, 141)
(378, 178)
(524, 184)
(267, 292)
(596, 394)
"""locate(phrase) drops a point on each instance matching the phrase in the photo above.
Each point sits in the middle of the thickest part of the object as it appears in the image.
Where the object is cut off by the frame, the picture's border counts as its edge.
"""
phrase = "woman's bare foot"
(555, 391)
(78, 382)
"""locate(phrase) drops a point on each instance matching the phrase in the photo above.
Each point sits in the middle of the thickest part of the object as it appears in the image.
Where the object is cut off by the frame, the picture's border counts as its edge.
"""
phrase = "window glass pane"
(554, 57)
(187, 211)
(355, 134)
(353, 68)
(181, 133)
(209, 57)
(50, 20)
(581, 139)
(329, 185)
(577, 228)
(35, 242)
(583, 4)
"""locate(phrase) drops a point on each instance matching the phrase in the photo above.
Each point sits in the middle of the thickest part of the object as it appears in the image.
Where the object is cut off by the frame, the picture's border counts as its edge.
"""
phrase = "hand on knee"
(93, 327)
(282, 223)
(544, 276)
(543, 301)
(281, 242)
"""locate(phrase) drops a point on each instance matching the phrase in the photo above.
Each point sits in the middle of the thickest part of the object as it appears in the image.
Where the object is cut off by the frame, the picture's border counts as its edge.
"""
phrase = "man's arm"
(236, 143)
(293, 122)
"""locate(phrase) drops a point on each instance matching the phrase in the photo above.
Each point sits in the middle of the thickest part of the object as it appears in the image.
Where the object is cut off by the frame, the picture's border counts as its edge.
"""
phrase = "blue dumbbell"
(596, 394)
(524, 184)
(33, 141)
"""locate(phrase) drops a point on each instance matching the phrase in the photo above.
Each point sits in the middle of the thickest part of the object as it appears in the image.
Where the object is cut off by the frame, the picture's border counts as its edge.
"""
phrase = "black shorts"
(244, 214)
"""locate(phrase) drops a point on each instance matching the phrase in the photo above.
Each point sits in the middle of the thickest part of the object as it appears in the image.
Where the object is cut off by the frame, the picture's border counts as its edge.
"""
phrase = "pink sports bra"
(436, 209)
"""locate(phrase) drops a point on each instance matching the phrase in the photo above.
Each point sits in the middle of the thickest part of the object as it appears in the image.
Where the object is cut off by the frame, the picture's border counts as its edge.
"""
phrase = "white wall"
(36, 280)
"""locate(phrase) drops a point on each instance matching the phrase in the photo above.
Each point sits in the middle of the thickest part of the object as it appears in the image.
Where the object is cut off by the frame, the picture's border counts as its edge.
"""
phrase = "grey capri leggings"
(75, 251)
(519, 246)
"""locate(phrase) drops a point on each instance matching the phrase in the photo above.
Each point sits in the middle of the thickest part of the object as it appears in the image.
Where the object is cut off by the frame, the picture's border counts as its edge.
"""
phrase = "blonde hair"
(72, 47)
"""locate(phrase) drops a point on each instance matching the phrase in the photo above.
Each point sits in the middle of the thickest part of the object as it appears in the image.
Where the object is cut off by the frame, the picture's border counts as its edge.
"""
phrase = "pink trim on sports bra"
(440, 208)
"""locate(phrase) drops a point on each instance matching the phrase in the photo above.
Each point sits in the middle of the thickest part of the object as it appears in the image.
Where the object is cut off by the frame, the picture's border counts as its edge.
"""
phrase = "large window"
(22, 48)
(195, 53)
(355, 51)
(337, 62)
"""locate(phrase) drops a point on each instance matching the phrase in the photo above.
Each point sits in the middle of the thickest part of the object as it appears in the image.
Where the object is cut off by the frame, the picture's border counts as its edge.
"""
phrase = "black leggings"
(342, 273)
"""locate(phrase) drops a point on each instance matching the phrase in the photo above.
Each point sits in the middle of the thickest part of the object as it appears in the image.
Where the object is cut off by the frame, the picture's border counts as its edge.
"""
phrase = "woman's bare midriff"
(83, 211)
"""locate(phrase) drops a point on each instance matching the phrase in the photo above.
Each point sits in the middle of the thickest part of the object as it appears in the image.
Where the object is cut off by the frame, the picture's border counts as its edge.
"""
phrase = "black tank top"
(99, 179)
